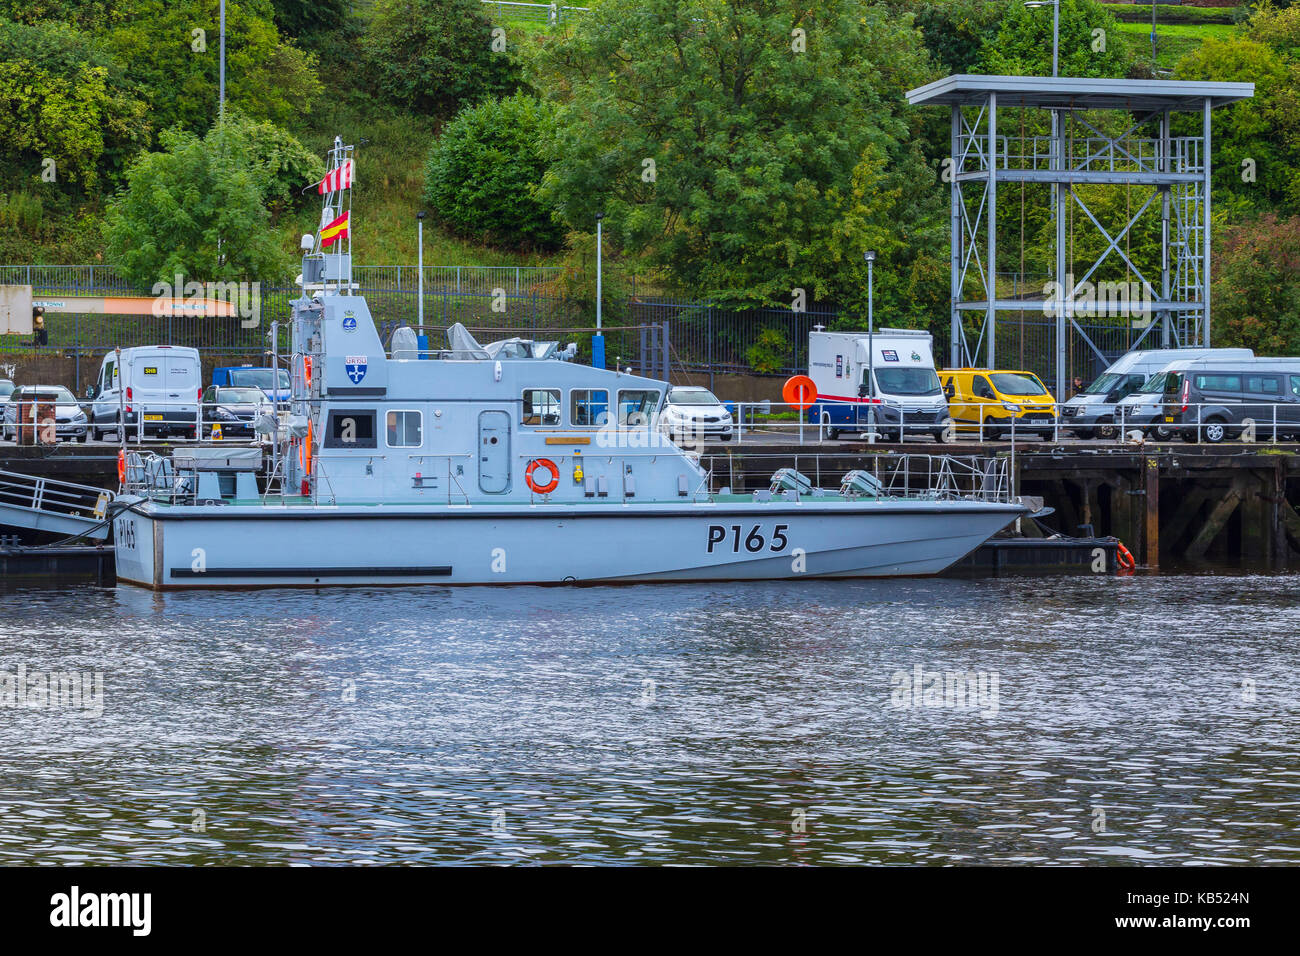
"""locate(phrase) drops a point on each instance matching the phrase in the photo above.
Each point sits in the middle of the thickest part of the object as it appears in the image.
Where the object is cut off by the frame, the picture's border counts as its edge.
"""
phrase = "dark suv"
(1218, 402)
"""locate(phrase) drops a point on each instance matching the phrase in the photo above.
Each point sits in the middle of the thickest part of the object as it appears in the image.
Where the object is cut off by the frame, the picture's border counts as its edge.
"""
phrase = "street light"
(598, 340)
(221, 90)
(870, 256)
(1056, 24)
(419, 241)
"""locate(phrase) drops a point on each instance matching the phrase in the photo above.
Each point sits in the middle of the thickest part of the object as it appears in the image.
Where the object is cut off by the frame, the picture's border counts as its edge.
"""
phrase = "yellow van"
(989, 399)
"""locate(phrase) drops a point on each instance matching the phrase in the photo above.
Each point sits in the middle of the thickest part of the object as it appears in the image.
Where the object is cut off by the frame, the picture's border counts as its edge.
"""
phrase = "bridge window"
(588, 406)
(637, 406)
(350, 428)
(404, 429)
(541, 406)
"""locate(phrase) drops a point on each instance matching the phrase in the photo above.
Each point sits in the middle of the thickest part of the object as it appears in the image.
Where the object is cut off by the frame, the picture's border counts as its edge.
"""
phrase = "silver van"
(1093, 411)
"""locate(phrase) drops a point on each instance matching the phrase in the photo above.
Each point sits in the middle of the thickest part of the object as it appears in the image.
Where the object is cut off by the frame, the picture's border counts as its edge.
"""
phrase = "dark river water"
(1151, 720)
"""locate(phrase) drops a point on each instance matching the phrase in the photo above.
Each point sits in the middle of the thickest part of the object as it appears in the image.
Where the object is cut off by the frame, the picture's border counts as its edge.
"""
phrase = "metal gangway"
(49, 505)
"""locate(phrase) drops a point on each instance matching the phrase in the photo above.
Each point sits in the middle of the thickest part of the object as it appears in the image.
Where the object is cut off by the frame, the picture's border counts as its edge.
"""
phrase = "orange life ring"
(542, 463)
(121, 466)
(1124, 559)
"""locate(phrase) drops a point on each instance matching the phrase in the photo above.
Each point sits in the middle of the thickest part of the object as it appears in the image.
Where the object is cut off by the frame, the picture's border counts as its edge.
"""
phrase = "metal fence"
(707, 338)
(704, 338)
(534, 12)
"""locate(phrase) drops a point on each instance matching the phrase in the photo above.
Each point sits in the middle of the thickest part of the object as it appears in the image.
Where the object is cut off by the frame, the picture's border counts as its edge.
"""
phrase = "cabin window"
(404, 429)
(588, 406)
(541, 406)
(1263, 385)
(1219, 383)
(637, 406)
(350, 428)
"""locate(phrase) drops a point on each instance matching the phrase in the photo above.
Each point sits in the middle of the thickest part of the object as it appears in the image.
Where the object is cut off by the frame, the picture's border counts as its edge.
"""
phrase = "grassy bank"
(1174, 40)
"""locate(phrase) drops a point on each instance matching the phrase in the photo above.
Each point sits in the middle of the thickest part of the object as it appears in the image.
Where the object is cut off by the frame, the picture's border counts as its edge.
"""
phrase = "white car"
(692, 413)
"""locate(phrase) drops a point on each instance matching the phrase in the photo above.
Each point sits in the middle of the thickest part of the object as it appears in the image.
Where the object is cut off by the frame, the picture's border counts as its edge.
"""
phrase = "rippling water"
(1149, 720)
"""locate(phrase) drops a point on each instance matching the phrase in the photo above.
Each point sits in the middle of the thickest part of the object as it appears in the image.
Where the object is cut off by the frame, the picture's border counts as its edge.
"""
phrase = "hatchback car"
(69, 417)
(692, 413)
(236, 410)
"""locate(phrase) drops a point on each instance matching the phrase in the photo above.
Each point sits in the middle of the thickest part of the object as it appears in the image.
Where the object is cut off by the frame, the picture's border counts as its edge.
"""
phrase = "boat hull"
(165, 546)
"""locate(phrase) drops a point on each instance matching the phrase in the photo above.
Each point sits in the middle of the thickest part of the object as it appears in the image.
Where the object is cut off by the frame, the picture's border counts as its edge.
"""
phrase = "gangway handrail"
(53, 496)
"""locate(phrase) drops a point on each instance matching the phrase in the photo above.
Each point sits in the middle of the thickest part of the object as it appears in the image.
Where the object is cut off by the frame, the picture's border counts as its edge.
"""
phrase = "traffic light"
(39, 335)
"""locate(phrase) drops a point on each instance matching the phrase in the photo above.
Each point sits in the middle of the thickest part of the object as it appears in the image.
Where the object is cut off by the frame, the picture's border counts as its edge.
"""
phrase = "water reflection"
(1148, 720)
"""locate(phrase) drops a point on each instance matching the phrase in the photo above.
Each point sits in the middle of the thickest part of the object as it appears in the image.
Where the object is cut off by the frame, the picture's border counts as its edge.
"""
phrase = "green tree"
(61, 100)
(485, 171)
(176, 70)
(436, 55)
(1256, 298)
(1262, 132)
(1023, 43)
(956, 30)
(200, 207)
(748, 148)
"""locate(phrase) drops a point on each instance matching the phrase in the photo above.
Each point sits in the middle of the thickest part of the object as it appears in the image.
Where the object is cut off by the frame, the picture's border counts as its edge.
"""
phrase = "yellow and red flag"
(335, 231)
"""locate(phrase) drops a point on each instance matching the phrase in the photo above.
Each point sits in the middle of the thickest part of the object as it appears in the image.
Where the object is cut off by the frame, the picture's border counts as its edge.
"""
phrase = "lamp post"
(1058, 163)
(419, 267)
(221, 79)
(1056, 25)
(598, 340)
(870, 256)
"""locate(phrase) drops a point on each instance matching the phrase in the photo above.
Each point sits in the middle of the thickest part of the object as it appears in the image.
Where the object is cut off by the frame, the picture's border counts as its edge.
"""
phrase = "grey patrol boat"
(505, 463)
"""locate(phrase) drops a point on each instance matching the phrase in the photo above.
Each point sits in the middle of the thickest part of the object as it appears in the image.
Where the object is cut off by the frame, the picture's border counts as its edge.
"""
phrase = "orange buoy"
(1124, 559)
(121, 466)
(550, 466)
(799, 391)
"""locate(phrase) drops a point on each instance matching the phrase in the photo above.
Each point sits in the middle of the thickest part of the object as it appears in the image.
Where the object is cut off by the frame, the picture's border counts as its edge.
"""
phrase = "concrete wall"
(737, 388)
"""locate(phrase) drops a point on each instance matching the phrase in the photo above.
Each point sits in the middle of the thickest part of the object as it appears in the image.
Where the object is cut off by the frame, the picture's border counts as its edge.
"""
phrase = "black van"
(1213, 403)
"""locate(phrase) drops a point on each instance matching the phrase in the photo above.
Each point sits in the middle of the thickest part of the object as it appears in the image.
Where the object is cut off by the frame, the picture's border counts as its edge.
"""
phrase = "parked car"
(69, 417)
(988, 400)
(1093, 411)
(692, 413)
(6, 387)
(1222, 401)
(275, 382)
(234, 409)
(157, 391)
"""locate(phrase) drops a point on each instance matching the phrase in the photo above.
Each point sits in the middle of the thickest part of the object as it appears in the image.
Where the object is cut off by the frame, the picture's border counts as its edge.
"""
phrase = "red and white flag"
(339, 178)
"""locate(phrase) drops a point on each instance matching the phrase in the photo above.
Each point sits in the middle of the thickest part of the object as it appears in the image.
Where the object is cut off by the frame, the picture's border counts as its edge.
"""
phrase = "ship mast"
(326, 271)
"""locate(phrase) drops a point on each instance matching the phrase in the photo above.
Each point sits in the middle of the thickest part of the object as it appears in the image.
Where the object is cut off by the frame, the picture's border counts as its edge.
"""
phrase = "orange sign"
(799, 391)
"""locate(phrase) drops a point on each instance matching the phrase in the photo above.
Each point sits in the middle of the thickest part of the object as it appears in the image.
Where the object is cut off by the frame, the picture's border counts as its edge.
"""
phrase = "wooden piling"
(1151, 539)
(1214, 523)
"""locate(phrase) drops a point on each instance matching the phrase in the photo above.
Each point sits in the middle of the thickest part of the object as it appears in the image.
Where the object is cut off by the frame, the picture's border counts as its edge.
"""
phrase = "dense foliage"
(1256, 299)
(432, 56)
(200, 207)
(749, 149)
(739, 149)
(485, 171)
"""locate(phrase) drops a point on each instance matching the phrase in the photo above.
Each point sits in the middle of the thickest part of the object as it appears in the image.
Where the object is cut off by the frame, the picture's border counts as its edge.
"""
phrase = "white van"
(1092, 411)
(906, 397)
(156, 391)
